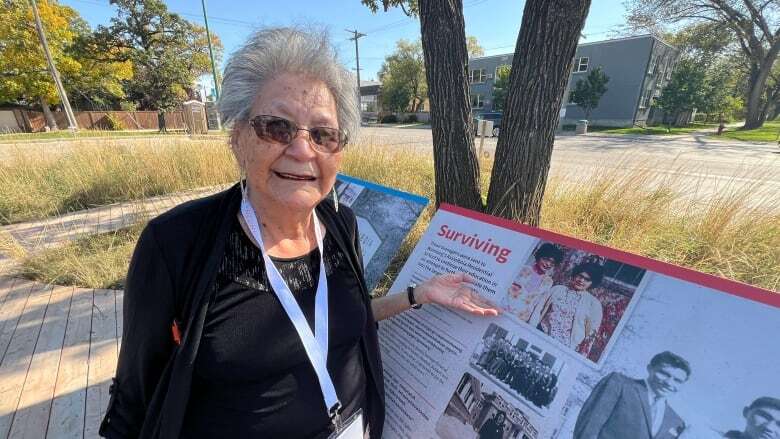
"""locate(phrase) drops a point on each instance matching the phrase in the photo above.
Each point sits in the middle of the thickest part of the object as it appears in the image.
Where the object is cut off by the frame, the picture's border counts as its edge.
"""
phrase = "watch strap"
(410, 295)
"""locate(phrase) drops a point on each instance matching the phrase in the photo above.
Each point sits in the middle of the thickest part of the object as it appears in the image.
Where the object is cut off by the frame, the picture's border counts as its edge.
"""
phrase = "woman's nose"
(301, 146)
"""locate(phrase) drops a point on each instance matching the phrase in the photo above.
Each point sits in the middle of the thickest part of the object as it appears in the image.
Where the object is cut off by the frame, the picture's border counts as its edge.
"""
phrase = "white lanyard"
(316, 347)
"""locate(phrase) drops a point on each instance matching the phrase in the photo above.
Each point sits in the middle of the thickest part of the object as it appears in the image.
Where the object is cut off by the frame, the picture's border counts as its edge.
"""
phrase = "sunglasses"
(281, 130)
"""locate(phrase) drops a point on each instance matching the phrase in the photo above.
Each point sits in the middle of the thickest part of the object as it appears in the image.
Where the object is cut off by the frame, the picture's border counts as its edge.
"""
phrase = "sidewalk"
(38, 235)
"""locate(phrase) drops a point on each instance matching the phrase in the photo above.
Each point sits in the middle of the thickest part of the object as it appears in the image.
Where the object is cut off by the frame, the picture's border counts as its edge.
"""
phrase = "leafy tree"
(686, 91)
(23, 68)
(403, 78)
(168, 53)
(754, 23)
(714, 49)
(724, 89)
(541, 65)
(500, 87)
(410, 7)
(588, 92)
(473, 47)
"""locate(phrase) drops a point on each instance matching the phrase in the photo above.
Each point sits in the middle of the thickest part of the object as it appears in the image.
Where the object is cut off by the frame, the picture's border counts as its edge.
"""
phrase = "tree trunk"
(47, 114)
(446, 60)
(759, 72)
(540, 70)
(161, 122)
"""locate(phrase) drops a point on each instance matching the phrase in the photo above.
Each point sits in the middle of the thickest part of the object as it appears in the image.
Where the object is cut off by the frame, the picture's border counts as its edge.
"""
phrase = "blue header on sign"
(377, 187)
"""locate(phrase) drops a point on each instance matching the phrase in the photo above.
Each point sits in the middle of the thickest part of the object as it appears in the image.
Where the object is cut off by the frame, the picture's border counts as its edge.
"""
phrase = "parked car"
(494, 116)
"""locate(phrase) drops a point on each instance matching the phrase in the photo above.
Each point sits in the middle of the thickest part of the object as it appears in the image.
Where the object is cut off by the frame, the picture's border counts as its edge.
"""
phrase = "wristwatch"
(410, 295)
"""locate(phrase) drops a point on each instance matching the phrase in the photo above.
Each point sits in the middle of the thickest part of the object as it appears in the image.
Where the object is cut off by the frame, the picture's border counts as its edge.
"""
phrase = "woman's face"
(581, 281)
(295, 174)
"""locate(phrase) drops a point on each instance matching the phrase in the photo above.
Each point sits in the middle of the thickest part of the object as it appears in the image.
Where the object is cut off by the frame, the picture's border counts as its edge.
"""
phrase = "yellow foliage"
(22, 62)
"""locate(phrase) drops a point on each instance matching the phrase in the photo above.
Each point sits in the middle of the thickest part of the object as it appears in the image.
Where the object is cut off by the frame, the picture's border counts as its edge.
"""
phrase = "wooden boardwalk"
(58, 351)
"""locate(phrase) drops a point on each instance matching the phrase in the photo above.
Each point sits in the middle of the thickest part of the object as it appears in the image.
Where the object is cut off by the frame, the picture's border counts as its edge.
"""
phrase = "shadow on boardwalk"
(58, 352)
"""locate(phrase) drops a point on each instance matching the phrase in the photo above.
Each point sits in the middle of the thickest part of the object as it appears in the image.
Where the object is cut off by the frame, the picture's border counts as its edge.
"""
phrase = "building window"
(477, 101)
(477, 76)
(653, 63)
(581, 64)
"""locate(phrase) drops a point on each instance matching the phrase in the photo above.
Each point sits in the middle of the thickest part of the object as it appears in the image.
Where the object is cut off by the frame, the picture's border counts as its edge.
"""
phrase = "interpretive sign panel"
(592, 343)
(384, 215)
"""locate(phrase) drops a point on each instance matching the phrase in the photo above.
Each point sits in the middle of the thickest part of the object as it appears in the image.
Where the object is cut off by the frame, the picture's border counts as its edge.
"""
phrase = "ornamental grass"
(735, 233)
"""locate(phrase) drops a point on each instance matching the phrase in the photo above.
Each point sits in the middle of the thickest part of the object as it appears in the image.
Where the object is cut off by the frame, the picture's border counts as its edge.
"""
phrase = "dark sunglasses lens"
(279, 130)
(326, 137)
(273, 128)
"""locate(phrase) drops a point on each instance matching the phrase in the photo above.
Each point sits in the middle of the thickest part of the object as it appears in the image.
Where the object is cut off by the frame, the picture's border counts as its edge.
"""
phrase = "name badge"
(352, 428)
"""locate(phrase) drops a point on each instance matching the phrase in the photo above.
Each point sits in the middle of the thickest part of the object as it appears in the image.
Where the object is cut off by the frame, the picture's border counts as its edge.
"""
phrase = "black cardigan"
(171, 271)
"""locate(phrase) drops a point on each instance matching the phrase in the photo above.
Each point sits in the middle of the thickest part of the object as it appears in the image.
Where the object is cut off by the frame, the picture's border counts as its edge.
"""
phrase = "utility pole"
(213, 66)
(72, 125)
(357, 35)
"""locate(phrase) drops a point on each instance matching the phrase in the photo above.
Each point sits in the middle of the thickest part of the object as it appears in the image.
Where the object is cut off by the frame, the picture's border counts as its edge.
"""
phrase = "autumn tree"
(23, 69)
(587, 92)
(473, 47)
(168, 53)
(543, 58)
(403, 78)
(754, 23)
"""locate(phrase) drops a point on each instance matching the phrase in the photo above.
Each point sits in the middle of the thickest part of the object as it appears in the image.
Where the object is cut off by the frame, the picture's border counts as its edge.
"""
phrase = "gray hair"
(273, 51)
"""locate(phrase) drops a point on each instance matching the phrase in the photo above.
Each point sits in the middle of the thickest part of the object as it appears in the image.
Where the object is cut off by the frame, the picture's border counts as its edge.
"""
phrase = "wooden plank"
(102, 359)
(32, 411)
(13, 369)
(11, 312)
(66, 420)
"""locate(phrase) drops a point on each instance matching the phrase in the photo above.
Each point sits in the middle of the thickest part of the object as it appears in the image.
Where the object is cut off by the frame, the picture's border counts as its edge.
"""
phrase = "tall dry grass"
(38, 181)
(731, 235)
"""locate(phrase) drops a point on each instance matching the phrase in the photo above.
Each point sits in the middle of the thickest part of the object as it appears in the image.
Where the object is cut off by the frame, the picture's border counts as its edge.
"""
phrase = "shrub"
(412, 118)
(112, 123)
(390, 118)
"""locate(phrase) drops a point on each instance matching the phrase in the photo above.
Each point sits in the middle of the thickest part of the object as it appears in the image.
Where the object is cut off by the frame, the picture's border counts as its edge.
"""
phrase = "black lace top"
(252, 376)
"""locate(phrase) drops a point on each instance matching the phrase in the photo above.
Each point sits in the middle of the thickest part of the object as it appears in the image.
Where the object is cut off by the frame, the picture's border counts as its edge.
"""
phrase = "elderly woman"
(246, 313)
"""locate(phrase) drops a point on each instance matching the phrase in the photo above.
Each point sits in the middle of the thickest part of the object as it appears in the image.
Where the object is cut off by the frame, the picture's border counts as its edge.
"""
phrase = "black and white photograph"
(687, 366)
(574, 297)
(475, 412)
(524, 369)
(384, 215)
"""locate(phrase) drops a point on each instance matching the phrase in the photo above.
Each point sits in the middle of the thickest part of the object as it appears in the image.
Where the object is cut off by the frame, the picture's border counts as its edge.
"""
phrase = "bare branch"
(759, 20)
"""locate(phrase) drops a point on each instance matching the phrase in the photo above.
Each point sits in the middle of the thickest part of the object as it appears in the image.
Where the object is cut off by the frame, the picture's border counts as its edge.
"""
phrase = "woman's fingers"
(485, 302)
(472, 302)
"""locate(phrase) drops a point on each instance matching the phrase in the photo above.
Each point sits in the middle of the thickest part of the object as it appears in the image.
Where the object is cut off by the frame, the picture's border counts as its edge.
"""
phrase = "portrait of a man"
(762, 420)
(622, 407)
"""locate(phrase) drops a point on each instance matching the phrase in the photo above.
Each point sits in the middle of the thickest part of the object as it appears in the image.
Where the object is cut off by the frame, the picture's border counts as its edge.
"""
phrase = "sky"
(495, 23)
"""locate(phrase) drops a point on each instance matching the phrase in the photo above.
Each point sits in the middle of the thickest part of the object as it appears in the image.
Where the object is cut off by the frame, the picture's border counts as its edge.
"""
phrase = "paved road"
(699, 165)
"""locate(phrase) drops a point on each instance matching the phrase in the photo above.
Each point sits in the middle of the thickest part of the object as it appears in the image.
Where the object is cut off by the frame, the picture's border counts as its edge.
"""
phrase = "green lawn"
(81, 134)
(653, 130)
(767, 133)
